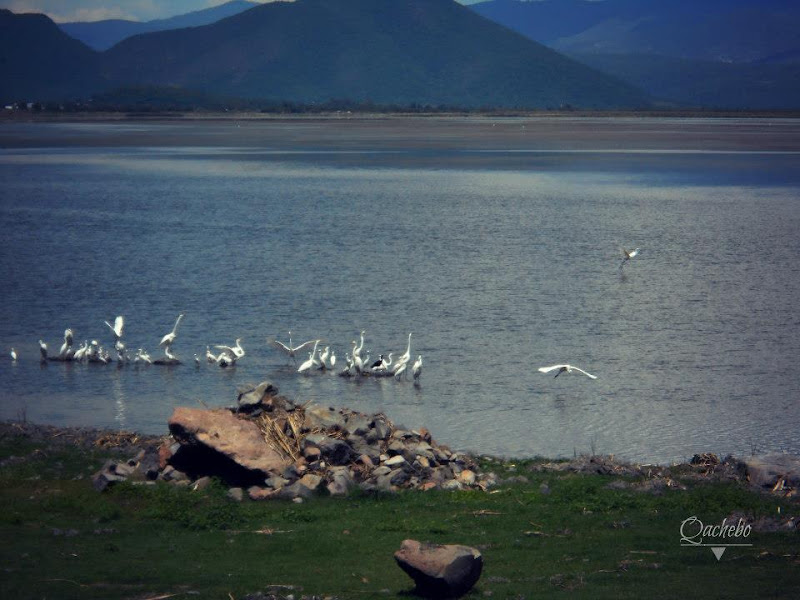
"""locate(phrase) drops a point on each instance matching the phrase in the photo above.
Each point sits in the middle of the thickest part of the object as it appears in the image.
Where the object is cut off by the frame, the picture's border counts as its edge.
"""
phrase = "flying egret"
(117, 328)
(416, 369)
(628, 254)
(168, 339)
(565, 368)
(289, 349)
(235, 351)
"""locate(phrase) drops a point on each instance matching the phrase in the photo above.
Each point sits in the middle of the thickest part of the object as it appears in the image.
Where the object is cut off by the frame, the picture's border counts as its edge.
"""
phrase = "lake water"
(495, 241)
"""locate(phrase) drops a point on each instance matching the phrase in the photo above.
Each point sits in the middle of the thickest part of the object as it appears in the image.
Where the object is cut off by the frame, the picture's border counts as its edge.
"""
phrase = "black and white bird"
(569, 369)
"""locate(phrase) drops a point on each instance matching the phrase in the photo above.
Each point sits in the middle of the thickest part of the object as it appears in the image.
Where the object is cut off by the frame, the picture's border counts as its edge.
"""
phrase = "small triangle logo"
(718, 552)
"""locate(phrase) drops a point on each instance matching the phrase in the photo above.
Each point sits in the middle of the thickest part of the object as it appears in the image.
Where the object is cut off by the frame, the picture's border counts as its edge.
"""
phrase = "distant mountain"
(715, 53)
(712, 30)
(39, 61)
(384, 51)
(398, 52)
(101, 35)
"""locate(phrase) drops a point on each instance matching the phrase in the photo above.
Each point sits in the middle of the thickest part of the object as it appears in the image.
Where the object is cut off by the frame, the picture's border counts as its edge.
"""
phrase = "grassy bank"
(552, 533)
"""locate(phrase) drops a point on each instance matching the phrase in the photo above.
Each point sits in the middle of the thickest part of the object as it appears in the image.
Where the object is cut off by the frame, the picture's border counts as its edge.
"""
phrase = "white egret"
(416, 369)
(168, 339)
(323, 358)
(210, 357)
(117, 328)
(290, 350)
(43, 350)
(565, 368)
(403, 358)
(312, 359)
(196, 360)
(333, 359)
(400, 370)
(80, 353)
(13, 355)
(628, 254)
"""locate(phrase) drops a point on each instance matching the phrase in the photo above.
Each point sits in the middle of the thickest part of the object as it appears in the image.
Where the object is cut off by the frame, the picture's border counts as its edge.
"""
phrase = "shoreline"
(178, 115)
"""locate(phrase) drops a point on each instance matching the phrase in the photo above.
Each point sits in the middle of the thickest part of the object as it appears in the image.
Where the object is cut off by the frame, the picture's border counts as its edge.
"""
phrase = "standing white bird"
(312, 360)
(333, 359)
(323, 358)
(403, 358)
(63, 353)
(565, 368)
(196, 360)
(628, 254)
(210, 357)
(416, 369)
(117, 328)
(80, 353)
(43, 350)
(290, 350)
(168, 339)
(13, 355)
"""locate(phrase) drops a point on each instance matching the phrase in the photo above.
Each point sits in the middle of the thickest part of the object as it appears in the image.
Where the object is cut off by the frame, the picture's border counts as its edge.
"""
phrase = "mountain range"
(714, 53)
(431, 52)
(101, 35)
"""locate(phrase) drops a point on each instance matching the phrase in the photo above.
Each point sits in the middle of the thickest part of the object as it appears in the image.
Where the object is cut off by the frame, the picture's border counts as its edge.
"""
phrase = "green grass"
(61, 539)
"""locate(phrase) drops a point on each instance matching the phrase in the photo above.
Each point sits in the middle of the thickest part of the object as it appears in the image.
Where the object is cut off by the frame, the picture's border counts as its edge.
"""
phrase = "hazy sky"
(96, 10)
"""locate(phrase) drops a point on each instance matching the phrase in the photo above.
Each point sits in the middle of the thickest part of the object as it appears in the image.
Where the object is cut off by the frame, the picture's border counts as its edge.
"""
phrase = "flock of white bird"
(356, 363)
(94, 352)
(318, 358)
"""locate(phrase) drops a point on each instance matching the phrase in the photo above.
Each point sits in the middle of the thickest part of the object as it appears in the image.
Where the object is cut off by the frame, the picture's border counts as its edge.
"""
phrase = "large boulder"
(440, 571)
(220, 432)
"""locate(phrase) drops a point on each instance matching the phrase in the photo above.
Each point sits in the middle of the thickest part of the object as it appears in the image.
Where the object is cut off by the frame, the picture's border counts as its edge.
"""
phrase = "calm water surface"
(499, 257)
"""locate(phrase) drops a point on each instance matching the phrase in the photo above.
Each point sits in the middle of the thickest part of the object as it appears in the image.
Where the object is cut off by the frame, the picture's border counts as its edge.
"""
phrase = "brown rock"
(440, 571)
(219, 430)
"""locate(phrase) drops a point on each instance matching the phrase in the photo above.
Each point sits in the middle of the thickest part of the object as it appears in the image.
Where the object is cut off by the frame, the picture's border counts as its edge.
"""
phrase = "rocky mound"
(274, 448)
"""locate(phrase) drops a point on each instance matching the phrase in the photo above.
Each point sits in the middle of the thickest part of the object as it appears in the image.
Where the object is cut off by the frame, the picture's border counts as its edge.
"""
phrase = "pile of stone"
(271, 447)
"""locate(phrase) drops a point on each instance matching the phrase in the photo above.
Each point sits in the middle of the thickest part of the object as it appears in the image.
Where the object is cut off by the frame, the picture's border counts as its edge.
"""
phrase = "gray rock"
(382, 429)
(380, 471)
(305, 487)
(201, 484)
(766, 470)
(335, 451)
(358, 424)
(440, 571)
(341, 483)
(106, 477)
(395, 461)
(250, 396)
(236, 494)
(323, 417)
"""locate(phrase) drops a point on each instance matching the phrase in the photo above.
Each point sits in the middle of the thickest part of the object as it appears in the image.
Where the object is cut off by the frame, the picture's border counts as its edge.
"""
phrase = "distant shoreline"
(70, 116)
